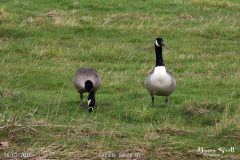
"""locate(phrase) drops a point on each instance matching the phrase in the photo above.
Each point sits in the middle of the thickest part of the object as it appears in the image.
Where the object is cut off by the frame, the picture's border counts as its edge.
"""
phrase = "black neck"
(159, 58)
(89, 86)
(91, 92)
(91, 96)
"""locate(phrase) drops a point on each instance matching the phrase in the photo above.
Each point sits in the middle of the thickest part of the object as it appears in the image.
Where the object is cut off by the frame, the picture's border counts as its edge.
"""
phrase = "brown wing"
(173, 80)
(170, 73)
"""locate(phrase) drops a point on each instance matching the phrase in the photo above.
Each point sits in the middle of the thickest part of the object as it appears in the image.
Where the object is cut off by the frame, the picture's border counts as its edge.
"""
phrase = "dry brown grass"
(216, 3)
(230, 123)
(173, 131)
(195, 108)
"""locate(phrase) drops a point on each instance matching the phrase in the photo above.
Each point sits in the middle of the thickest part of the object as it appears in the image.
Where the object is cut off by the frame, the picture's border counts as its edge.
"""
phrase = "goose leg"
(81, 97)
(166, 100)
(153, 101)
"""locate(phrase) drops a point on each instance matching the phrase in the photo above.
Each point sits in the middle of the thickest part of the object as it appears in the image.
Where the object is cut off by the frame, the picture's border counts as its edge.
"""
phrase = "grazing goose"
(87, 80)
(160, 82)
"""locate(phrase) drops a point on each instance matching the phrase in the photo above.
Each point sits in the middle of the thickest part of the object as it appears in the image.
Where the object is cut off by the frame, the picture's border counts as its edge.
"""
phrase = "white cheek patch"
(157, 44)
(89, 101)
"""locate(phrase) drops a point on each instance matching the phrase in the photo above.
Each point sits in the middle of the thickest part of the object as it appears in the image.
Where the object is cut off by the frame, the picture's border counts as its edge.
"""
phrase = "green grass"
(43, 43)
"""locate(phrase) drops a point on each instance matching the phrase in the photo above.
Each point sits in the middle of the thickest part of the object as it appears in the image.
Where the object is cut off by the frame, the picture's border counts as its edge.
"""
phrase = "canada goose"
(87, 80)
(160, 82)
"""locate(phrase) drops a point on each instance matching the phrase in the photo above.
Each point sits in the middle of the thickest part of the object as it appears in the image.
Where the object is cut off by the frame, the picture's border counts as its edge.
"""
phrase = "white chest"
(160, 78)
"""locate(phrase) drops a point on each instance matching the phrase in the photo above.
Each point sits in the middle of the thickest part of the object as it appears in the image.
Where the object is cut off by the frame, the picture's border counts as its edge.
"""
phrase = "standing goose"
(87, 80)
(160, 82)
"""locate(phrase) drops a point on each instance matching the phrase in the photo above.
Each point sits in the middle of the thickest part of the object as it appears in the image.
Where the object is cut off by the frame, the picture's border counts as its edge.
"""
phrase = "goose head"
(159, 42)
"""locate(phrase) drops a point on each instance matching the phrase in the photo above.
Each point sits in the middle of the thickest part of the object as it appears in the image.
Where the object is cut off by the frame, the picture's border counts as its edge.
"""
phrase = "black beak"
(162, 44)
(90, 109)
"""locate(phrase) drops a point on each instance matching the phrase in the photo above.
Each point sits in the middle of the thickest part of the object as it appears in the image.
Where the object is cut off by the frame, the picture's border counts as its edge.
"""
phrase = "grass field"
(43, 43)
